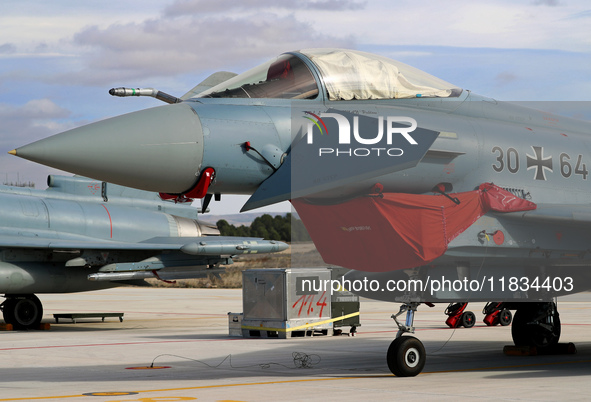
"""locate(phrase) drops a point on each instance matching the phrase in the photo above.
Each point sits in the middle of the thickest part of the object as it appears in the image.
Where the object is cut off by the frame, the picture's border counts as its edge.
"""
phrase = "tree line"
(283, 228)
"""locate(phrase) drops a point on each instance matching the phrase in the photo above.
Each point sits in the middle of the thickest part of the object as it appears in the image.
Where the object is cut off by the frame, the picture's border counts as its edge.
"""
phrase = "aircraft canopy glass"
(350, 74)
(286, 77)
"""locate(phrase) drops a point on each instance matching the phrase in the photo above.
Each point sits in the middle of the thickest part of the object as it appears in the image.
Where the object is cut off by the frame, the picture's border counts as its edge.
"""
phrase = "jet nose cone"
(158, 149)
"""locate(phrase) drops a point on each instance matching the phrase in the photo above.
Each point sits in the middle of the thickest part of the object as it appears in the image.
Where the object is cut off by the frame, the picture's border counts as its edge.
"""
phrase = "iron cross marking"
(539, 162)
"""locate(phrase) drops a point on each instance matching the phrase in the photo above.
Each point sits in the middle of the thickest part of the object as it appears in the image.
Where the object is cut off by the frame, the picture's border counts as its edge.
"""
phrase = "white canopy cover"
(350, 74)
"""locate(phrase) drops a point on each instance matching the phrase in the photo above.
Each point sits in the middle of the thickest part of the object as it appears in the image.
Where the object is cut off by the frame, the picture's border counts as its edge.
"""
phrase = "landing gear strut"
(22, 311)
(536, 324)
(406, 355)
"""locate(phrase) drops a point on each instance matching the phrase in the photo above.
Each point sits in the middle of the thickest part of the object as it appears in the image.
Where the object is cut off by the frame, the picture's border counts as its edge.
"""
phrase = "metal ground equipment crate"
(282, 303)
(344, 305)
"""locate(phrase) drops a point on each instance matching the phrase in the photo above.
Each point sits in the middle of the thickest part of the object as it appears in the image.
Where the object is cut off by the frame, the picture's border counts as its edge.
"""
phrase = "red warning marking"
(499, 237)
(148, 368)
(119, 344)
(110, 221)
(94, 187)
(449, 168)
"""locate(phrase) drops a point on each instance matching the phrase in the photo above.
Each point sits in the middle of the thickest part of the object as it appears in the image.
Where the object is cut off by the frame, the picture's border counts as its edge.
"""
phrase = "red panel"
(198, 191)
(501, 200)
(398, 231)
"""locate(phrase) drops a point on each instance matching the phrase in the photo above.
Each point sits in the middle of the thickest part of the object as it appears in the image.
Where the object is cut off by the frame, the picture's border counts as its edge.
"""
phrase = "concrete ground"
(184, 334)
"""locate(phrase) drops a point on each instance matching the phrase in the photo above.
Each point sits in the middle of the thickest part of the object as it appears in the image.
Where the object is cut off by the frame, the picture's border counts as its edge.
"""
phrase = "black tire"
(406, 356)
(23, 312)
(468, 319)
(8, 310)
(528, 332)
(505, 317)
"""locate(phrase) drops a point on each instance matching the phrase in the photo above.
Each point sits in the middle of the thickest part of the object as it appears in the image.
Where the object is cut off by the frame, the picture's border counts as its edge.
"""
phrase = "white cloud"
(499, 24)
(7, 48)
(32, 121)
(550, 3)
(40, 109)
(164, 46)
(200, 7)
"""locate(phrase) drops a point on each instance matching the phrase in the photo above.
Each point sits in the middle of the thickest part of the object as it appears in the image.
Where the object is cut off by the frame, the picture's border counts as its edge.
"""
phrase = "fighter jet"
(429, 192)
(82, 234)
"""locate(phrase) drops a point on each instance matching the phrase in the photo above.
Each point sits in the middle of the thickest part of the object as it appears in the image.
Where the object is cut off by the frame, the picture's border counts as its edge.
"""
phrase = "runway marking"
(120, 344)
(195, 388)
(310, 380)
(148, 368)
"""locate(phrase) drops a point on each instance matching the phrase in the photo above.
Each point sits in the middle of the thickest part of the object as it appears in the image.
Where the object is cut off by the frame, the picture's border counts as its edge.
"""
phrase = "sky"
(59, 59)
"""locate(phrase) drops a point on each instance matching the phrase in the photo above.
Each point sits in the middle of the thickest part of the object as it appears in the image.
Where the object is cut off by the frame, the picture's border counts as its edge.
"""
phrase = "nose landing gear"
(406, 355)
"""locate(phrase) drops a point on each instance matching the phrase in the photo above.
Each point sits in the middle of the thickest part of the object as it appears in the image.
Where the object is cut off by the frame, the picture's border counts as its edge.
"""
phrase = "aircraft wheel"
(406, 356)
(23, 312)
(505, 317)
(468, 319)
(528, 331)
(8, 310)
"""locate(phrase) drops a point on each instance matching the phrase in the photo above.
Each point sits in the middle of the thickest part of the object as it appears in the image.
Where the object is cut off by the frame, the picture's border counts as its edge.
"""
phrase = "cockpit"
(345, 75)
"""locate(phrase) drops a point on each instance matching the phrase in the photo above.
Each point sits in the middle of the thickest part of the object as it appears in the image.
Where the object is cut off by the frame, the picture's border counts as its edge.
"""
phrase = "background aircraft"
(390, 169)
(82, 234)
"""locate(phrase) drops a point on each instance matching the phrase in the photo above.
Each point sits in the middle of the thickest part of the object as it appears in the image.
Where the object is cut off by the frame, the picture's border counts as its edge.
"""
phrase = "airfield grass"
(298, 255)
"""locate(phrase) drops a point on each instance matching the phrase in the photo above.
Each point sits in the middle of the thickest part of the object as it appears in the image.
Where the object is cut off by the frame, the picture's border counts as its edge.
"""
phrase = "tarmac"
(173, 345)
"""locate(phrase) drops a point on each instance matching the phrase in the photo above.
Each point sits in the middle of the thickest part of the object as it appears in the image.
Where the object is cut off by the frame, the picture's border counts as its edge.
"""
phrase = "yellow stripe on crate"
(343, 317)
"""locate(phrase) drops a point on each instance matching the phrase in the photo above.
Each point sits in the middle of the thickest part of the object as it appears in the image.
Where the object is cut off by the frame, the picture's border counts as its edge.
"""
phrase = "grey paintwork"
(158, 150)
(52, 240)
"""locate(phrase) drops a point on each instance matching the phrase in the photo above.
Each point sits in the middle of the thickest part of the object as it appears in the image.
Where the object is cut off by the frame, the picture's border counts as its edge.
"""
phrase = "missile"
(121, 276)
(217, 247)
(165, 275)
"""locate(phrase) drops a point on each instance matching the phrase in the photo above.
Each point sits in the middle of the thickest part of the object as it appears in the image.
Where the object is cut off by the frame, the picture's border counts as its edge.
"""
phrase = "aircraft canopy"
(286, 77)
(347, 75)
